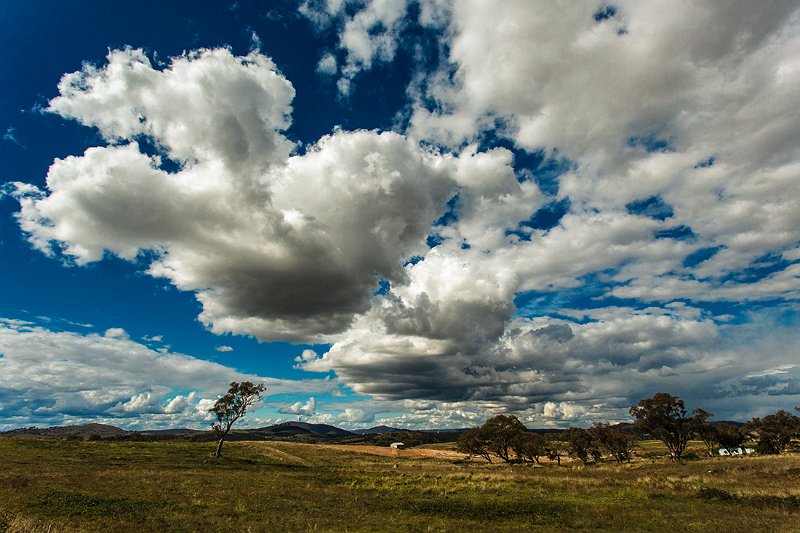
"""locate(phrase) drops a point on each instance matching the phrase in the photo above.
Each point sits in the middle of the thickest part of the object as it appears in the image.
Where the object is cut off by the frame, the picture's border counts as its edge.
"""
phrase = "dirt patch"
(392, 452)
(280, 454)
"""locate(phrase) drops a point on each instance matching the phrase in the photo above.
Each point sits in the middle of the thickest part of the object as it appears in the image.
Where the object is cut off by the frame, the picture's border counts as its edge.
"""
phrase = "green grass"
(273, 486)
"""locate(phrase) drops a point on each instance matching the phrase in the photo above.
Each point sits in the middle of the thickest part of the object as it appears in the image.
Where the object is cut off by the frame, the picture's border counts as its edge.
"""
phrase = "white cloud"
(11, 136)
(309, 408)
(557, 79)
(713, 84)
(367, 37)
(355, 416)
(240, 229)
(48, 376)
(327, 65)
(116, 333)
(224, 348)
(691, 105)
(206, 105)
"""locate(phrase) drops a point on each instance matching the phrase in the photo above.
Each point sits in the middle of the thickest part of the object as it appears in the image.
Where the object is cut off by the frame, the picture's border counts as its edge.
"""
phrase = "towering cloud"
(276, 246)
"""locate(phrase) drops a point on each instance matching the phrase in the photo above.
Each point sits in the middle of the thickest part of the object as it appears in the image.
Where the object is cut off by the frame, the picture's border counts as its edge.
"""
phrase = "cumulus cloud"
(370, 35)
(675, 133)
(590, 369)
(224, 348)
(352, 416)
(532, 360)
(116, 333)
(682, 185)
(327, 65)
(309, 408)
(649, 103)
(239, 228)
(50, 376)
(206, 105)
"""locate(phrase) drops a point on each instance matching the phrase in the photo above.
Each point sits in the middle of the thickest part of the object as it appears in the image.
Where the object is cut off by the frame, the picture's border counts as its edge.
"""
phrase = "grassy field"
(275, 486)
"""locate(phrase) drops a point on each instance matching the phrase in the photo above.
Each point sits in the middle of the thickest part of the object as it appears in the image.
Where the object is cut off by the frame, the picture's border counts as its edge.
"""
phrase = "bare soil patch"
(392, 452)
(280, 454)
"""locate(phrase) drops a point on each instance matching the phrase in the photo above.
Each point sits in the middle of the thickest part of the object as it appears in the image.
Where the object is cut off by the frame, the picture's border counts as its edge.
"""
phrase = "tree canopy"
(231, 407)
(665, 417)
(503, 436)
(619, 443)
(776, 431)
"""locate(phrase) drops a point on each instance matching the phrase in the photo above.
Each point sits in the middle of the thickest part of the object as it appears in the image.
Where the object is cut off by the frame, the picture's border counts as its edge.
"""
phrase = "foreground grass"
(272, 486)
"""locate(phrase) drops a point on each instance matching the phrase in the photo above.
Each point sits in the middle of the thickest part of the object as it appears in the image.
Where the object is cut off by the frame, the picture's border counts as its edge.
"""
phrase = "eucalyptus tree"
(665, 417)
(231, 407)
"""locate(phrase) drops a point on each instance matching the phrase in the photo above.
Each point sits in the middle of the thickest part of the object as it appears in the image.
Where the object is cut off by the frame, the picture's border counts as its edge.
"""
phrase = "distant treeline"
(663, 417)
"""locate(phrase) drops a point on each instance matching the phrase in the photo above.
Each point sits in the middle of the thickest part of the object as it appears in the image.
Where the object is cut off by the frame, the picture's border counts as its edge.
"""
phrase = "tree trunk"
(218, 453)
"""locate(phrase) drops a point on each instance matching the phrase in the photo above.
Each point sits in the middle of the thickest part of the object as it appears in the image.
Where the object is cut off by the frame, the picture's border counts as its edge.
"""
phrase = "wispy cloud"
(10, 136)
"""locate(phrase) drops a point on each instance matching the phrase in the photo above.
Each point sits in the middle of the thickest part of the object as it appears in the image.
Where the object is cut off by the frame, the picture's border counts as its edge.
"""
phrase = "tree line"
(663, 417)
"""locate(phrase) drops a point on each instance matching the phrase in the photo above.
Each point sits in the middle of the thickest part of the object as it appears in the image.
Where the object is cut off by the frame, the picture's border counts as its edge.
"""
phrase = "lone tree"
(665, 417)
(232, 407)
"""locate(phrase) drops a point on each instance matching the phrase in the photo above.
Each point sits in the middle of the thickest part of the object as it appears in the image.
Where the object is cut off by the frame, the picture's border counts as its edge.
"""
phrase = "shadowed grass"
(57, 502)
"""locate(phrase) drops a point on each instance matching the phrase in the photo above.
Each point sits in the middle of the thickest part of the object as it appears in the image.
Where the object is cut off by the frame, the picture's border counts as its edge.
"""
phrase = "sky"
(418, 213)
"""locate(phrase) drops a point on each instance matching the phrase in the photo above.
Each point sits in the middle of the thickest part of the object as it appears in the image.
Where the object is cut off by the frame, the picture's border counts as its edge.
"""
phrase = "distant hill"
(283, 431)
(378, 430)
(316, 429)
(292, 431)
(83, 432)
(381, 430)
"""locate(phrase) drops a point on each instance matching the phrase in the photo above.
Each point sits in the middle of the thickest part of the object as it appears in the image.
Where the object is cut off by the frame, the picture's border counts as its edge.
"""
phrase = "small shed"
(397, 445)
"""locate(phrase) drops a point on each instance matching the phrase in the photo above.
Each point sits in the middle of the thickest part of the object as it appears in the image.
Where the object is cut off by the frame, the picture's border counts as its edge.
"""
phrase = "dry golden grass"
(276, 486)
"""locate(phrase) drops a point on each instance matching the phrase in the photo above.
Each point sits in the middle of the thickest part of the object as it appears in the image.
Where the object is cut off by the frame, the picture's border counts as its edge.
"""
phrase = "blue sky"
(419, 213)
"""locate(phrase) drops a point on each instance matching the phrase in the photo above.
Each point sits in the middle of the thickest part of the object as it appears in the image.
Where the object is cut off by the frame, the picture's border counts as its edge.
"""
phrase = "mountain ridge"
(294, 430)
